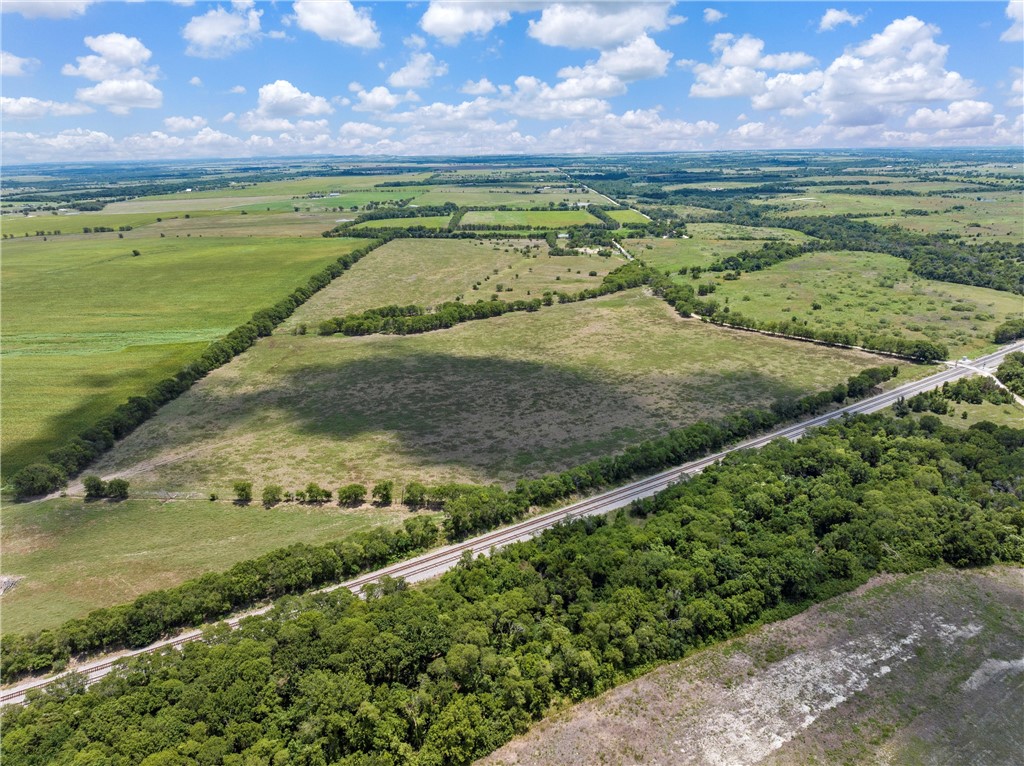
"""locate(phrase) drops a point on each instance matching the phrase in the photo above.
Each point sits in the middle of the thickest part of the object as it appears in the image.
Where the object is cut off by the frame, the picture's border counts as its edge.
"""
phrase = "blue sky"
(88, 80)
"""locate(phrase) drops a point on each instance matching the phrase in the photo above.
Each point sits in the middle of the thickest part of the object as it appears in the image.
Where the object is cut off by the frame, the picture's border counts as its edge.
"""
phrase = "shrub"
(95, 487)
(351, 494)
(117, 489)
(272, 495)
(383, 492)
(38, 479)
(243, 491)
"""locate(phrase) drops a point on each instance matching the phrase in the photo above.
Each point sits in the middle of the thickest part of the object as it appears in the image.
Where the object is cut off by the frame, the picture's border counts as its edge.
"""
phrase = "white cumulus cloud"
(46, 9)
(121, 96)
(712, 16)
(1015, 13)
(418, 71)
(959, 114)
(450, 21)
(481, 87)
(378, 99)
(599, 25)
(16, 66)
(184, 124)
(337, 21)
(219, 33)
(196, 82)
(833, 17)
(27, 107)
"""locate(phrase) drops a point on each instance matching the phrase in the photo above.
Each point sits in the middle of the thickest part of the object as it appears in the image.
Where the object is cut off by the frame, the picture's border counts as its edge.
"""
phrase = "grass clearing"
(518, 395)
(628, 216)
(707, 243)
(426, 272)
(552, 219)
(73, 223)
(510, 197)
(86, 324)
(427, 222)
(872, 292)
(77, 556)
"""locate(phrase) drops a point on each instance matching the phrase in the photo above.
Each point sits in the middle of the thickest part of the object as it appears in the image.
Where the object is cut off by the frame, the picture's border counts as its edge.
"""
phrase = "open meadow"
(872, 292)
(426, 272)
(543, 218)
(706, 243)
(76, 556)
(88, 324)
(518, 395)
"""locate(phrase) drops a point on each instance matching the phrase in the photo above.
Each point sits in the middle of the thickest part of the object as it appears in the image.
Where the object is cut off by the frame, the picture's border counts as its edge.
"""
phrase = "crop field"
(427, 222)
(514, 396)
(552, 218)
(707, 243)
(874, 292)
(920, 669)
(426, 272)
(86, 324)
(77, 556)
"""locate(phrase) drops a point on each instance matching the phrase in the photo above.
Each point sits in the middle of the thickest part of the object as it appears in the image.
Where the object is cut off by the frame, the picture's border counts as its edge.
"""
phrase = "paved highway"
(441, 560)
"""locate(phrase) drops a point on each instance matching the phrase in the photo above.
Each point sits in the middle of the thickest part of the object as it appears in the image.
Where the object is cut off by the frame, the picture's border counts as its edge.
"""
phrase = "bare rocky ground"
(923, 669)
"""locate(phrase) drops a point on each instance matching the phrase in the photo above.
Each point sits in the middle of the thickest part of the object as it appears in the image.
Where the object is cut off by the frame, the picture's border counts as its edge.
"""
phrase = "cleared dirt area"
(921, 669)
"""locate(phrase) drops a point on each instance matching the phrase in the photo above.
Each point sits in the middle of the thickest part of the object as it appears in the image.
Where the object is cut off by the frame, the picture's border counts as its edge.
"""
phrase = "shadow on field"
(501, 415)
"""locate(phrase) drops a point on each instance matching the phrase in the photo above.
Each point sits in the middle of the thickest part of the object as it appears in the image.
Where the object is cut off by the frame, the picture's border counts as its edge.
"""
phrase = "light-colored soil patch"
(922, 669)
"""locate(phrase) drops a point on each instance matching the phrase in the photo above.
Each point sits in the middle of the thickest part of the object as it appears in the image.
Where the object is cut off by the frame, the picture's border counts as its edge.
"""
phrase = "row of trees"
(445, 673)
(466, 509)
(410, 320)
(687, 303)
(81, 450)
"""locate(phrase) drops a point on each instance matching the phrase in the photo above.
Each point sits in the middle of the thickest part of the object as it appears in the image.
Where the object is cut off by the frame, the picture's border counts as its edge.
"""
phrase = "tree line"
(444, 673)
(1011, 372)
(465, 509)
(412, 319)
(686, 302)
(81, 450)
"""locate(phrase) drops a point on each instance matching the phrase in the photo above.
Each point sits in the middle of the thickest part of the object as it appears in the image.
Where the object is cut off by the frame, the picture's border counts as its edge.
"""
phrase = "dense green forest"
(445, 673)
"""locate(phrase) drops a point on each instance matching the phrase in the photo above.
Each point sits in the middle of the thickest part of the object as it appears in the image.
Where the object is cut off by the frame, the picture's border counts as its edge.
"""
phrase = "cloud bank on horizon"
(92, 80)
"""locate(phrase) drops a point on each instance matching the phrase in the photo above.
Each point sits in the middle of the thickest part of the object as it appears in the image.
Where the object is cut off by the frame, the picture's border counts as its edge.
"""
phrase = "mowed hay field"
(426, 272)
(872, 292)
(494, 400)
(707, 243)
(86, 324)
(76, 556)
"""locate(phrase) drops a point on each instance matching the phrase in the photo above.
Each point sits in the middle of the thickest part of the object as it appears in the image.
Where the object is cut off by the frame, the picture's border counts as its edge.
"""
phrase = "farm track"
(437, 562)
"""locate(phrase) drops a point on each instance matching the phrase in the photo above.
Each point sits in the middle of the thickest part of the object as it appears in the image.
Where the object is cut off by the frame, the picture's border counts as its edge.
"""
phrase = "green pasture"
(19, 225)
(706, 243)
(295, 187)
(426, 272)
(427, 222)
(627, 216)
(872, 292)
(464, 196)
(495, 400)
(77, 556)
(985, 215)
(87, 324)
(554, 219)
